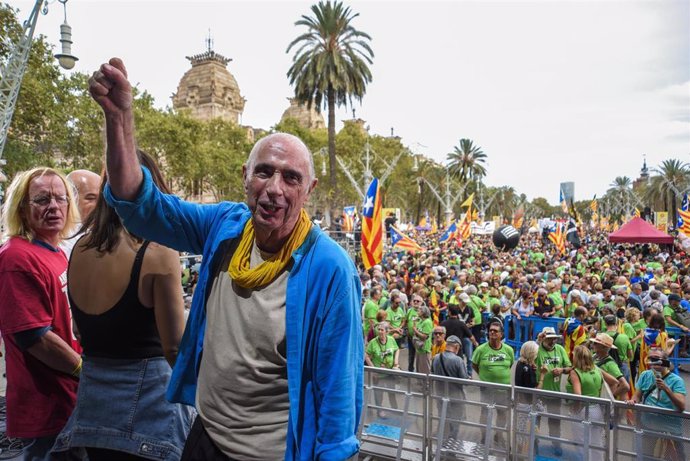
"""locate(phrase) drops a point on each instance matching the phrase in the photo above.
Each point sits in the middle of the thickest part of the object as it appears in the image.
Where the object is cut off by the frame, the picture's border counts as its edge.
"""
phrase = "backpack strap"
(443, 367)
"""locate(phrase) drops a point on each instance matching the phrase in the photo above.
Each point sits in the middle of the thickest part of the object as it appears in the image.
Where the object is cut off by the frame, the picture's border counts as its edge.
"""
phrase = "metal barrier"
(644, 433)
(410, 416)
(396, 430)
(552, 425)
(676, 358)
(468, 419)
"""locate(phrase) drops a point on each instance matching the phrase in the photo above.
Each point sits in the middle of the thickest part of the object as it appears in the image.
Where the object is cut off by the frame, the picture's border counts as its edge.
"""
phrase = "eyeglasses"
(44, 200)
(494, 331)
(438, 333)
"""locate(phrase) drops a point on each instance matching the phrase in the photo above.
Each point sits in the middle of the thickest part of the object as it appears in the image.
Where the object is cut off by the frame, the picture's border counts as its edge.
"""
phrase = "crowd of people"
(607, 309)
(269, 366)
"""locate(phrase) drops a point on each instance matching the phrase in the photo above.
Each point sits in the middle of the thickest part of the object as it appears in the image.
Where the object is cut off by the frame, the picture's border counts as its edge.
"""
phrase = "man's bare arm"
(55, 353)
(111, 90)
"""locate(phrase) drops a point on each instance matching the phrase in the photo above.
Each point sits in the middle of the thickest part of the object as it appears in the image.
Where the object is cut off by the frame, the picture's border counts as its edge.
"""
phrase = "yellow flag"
(468, 202)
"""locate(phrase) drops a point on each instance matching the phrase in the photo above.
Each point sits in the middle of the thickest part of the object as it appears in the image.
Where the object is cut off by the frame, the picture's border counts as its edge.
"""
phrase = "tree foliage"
(330, 65)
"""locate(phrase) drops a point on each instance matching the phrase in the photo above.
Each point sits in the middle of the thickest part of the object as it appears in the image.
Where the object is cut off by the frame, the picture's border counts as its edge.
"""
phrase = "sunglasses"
(494, 331)
(436, 333)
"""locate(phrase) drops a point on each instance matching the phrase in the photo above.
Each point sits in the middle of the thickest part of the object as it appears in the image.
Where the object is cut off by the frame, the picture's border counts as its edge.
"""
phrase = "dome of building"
(306, 117)
(208, 90)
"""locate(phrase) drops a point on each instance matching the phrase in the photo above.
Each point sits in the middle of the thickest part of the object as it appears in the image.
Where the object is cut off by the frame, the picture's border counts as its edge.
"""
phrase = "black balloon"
(506, 238)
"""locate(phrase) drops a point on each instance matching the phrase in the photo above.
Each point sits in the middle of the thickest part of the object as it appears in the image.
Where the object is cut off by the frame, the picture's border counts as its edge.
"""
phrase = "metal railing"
(411, 416)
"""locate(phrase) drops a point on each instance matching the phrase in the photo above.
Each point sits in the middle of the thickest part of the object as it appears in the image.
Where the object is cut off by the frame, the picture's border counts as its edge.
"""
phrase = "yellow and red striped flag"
(465, 229)
(403, 242)
(372, 226)
(685, 217)
(558, 238)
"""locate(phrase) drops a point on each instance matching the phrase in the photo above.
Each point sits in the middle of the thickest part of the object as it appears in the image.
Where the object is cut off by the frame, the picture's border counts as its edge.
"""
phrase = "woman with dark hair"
(126, 300)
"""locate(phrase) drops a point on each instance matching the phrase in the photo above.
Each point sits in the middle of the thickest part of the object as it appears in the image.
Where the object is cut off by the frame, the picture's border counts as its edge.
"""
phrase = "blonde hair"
(582, 358)
(528, 352)
(14, 209)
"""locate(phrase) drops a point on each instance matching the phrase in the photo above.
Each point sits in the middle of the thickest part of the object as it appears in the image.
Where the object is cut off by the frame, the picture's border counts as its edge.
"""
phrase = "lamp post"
(12, 72)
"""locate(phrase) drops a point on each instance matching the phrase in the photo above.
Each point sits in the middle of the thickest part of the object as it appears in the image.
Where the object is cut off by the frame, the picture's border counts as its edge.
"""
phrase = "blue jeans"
(468, 349)
(121, 406)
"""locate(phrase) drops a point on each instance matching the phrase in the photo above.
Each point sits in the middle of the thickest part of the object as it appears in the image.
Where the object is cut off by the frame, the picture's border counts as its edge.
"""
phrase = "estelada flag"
(349, 215)
(684, 206)
(372, 226)
(684, 221)
(558, 238)
(403, 242)
(450, 234)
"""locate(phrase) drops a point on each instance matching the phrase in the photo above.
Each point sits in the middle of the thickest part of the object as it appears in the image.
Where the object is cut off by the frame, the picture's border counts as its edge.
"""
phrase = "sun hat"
(604, 339)
(549, 332)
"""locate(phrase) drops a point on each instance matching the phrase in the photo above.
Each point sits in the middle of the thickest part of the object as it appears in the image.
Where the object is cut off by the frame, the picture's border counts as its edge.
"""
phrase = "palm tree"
(671, 179)
(619, 190)
(330, 65)
(466, 162)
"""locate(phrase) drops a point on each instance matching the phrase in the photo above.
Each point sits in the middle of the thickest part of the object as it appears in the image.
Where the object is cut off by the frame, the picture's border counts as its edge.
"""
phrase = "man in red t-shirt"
(43, 355)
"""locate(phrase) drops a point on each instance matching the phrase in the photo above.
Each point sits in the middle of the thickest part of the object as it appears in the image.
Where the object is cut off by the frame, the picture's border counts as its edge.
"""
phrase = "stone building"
(305, 116)
(208, 90)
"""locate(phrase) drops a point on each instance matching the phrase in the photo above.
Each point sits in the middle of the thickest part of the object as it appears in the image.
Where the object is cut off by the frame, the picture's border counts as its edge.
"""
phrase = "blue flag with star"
(683, 207)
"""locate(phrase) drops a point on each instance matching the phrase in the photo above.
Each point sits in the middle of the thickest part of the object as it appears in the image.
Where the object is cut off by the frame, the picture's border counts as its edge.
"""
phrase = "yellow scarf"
(267, 271)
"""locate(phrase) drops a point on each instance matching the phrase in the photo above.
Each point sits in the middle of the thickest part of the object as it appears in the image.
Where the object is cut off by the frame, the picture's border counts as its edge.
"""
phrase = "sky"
(552, 91)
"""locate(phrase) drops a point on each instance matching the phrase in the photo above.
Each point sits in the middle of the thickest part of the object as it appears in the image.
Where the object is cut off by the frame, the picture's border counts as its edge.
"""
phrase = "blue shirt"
(325, 351)
(664, 423)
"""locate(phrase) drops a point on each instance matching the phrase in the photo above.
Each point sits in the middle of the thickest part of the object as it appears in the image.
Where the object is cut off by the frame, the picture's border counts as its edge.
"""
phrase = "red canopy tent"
(637, 230)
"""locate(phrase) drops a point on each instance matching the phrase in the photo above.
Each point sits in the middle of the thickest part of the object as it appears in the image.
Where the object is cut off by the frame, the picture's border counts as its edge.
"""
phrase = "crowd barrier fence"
(411, 416)
(519, 331)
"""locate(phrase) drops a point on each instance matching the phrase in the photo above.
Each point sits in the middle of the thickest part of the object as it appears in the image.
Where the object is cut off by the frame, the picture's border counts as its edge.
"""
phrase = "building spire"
(645, 171)
(209, 41)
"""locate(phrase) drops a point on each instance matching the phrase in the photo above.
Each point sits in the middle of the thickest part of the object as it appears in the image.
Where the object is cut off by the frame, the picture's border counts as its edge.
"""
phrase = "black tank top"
(125, 331)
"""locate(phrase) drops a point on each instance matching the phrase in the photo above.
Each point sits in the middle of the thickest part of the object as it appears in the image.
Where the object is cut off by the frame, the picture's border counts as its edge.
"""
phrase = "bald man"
(88, 185)
(273, 355)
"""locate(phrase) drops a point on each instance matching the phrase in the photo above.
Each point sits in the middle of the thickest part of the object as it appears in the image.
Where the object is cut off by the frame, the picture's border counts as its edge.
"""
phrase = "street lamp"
(12, 71)
(66, 60)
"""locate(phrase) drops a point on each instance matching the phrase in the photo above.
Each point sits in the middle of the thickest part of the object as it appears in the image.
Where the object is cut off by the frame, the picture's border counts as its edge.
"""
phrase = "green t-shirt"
(630, 333)
(491, 302)
(555, 358)
(610, 366)
(382, 355)
(557, 300)
(477, 306)
(494, 364)
(669, 312)
(638, 326)
(590, 382)
(426, 326)
(412, 317)
(622, 342)
(370, 311)
(395, 316)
